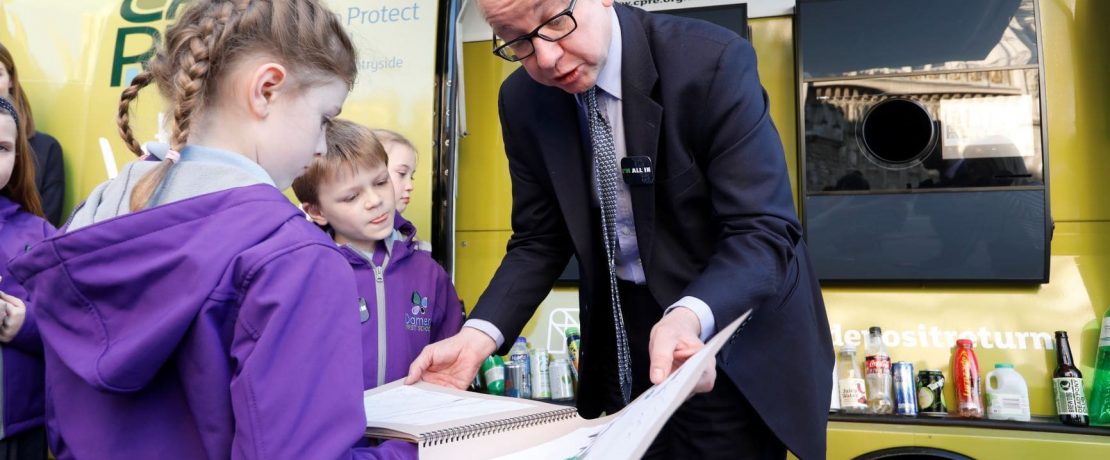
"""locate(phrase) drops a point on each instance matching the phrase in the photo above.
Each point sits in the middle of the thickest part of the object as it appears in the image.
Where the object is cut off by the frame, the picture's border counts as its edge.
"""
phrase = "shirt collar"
(202, 154)
(609, 77)
(388, 243)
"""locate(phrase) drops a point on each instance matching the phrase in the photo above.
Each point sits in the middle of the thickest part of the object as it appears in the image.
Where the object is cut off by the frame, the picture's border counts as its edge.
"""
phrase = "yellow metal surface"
(477, 255)
(773, 39)
(485, 194)
(1077, 67)
(849, 440)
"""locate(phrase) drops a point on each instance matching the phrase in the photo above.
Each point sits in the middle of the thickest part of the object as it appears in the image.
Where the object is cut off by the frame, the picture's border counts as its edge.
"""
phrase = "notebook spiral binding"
(459, 433)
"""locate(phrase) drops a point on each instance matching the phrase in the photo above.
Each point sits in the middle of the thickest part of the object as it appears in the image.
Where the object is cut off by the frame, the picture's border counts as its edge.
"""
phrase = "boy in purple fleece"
(21, 368)
(406, 299)
(187, 309)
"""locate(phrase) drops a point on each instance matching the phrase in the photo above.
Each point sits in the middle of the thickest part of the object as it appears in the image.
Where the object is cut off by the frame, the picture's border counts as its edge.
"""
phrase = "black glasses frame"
(501, 51)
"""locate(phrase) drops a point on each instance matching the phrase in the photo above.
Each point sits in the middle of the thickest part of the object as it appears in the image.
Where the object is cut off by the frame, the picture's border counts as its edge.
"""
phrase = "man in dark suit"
(711, 235)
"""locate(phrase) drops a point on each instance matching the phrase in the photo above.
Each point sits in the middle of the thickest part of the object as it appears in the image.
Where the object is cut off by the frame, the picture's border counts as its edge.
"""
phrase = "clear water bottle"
(878, 374)
(519, 354)
(853, 392)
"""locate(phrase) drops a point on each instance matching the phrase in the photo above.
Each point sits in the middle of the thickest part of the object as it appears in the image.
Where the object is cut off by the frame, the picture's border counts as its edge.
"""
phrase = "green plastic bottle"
(1100, 396)
(493, 371)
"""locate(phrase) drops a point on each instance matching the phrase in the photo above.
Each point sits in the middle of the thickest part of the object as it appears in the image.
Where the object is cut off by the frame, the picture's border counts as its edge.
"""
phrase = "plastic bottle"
(493, 374)
(1007, 394)
(965, 368)
(574, 342)
(1100, 395)
(853, 391)
(878, 376)
(519, 354)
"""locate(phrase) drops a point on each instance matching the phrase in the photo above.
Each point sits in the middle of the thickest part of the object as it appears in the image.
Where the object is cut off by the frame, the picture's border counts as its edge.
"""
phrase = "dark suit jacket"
(50, 175)
(718, 223)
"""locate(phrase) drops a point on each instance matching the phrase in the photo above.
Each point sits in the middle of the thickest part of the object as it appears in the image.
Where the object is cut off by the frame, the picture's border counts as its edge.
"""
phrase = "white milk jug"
(1007, 394)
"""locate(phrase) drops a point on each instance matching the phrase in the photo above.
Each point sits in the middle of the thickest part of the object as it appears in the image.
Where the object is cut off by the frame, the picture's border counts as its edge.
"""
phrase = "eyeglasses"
(552, 30)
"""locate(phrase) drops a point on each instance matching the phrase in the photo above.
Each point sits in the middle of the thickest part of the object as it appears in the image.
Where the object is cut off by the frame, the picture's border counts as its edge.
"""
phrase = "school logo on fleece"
(418, 321)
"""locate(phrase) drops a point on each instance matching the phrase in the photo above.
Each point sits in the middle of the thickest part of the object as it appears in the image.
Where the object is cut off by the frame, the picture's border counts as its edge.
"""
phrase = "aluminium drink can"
(930, 393)
(514, 380)
(905, 391)
(541, 382)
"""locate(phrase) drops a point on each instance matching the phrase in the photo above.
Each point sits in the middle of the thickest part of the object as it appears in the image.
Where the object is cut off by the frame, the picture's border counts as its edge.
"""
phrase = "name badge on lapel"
(637, 170)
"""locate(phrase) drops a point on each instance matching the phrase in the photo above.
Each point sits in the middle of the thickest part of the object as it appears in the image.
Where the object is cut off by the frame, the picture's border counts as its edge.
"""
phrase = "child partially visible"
(22, 435)
(50, 176)
(191, 312)
(407, 299)
(402, 169)
(402, 164)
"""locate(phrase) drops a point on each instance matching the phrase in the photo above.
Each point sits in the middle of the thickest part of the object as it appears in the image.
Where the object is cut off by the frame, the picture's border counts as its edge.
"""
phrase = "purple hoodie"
(219, 326)
(22, 372)
(412, 305)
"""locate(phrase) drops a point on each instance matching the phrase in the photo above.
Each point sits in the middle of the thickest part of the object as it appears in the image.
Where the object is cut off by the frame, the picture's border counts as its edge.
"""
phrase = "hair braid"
(123, 118)
(196, 53)
(209, 36)
(193, 48)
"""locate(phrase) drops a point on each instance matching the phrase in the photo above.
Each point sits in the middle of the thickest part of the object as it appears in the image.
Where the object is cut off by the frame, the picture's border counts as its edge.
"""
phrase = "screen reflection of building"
(923, 140)
(835, 110)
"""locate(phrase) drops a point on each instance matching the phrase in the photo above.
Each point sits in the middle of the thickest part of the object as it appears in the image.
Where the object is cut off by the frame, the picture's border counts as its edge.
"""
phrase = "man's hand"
(11, 320)
(674, 339)
(452, 362)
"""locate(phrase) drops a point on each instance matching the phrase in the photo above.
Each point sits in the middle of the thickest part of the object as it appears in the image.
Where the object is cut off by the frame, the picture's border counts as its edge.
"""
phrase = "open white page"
(628, 433)
(422, 411)
(413, 405)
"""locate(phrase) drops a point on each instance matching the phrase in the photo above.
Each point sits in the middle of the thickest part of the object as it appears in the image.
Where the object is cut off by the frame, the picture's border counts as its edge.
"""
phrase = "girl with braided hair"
(21, 367)
(193, 312)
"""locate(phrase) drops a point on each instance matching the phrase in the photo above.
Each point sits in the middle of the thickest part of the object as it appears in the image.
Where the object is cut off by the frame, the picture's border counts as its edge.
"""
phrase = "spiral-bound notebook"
(449, 423)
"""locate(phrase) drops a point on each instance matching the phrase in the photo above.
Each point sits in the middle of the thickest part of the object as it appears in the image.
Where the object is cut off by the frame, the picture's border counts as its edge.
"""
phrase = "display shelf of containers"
(882, 391)
(531, 373)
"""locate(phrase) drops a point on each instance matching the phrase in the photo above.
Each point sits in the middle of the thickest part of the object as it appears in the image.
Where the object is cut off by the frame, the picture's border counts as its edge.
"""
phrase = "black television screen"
(732, 17)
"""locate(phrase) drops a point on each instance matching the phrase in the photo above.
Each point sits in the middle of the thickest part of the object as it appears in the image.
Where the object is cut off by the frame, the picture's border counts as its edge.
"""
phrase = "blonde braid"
(196, 53)
(123, 118)
(194, 47)
(210, 35)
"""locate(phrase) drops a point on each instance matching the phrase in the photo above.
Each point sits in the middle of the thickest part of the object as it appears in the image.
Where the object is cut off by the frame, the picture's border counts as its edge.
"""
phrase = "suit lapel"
(565, 158)
(642, 119)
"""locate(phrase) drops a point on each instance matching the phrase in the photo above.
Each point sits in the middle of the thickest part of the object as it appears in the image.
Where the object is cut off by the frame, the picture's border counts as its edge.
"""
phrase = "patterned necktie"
(605, 176)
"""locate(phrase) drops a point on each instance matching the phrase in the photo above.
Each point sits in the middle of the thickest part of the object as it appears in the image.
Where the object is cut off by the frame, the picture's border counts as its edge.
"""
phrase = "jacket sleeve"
(742, 156)
(538, 250)
(297, 387)
(448, 307)
(28, 339)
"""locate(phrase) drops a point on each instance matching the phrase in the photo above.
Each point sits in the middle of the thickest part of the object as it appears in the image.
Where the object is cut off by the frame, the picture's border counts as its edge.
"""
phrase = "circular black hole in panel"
(913, 453)
(898, 131)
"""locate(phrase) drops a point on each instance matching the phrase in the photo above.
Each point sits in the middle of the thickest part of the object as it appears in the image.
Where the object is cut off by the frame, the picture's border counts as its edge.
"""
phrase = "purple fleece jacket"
(419, 306)
(220, 326)
(22, 372)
